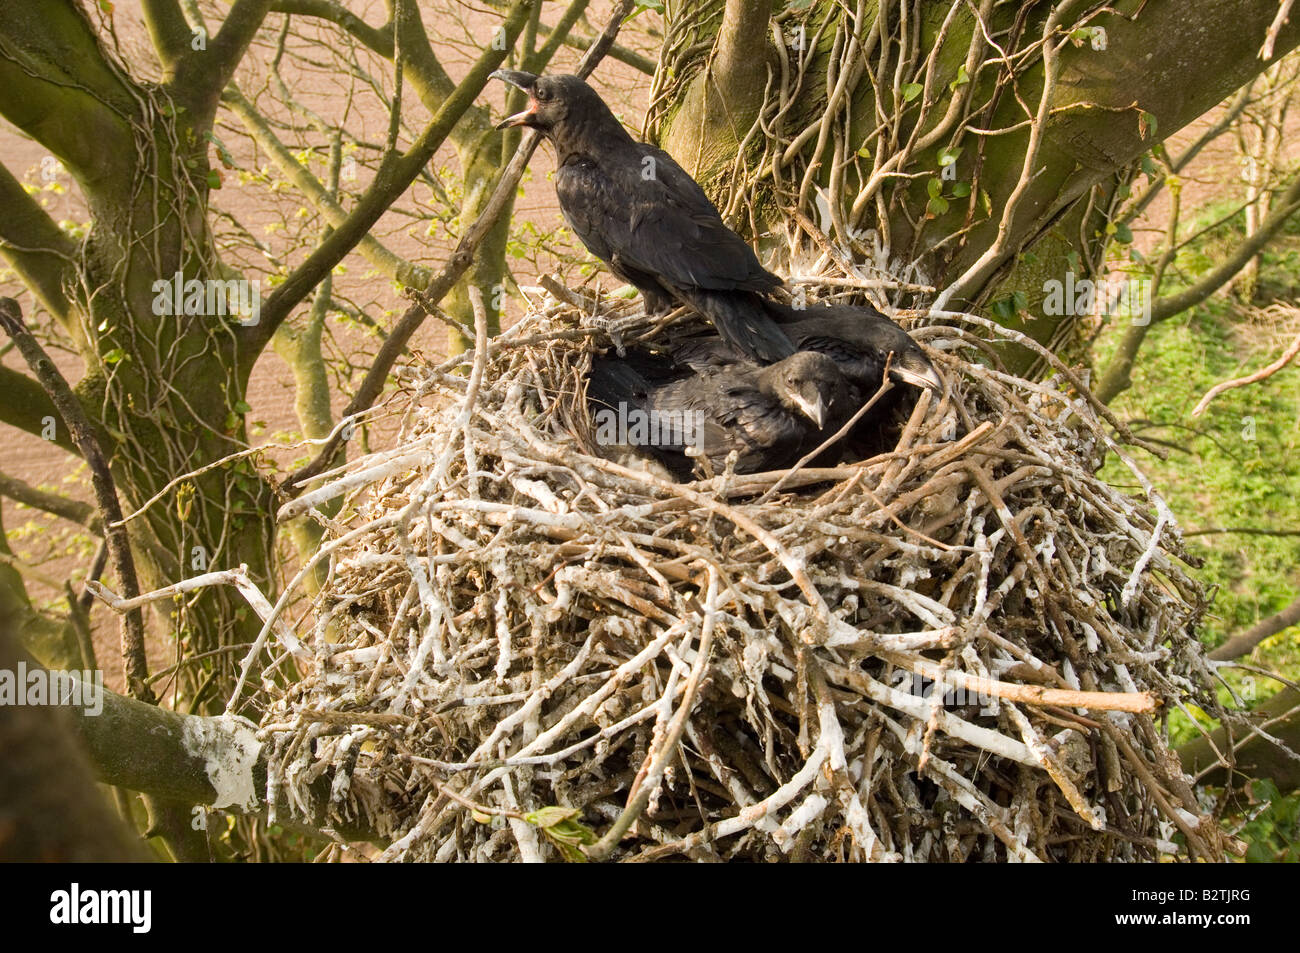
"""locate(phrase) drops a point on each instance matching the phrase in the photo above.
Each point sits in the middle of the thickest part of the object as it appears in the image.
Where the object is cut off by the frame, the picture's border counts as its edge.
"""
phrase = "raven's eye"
(542, 94)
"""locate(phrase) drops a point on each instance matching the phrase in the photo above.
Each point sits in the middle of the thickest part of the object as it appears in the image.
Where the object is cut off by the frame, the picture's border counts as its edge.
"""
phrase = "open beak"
(519, 80)
(918, 373)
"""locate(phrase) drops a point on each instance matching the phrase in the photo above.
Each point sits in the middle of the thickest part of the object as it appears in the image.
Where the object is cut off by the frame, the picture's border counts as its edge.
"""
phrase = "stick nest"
(962, 649)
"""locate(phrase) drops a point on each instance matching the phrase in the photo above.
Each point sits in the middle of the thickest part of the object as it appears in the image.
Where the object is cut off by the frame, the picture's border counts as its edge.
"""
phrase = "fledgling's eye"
(543, 94)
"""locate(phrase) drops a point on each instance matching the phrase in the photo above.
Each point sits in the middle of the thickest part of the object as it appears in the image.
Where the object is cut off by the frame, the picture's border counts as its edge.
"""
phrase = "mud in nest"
(961, 649)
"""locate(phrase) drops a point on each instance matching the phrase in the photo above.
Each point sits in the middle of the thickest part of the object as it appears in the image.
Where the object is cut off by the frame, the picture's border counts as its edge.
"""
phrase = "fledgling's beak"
(816, 412)
(520, 80)
(916, 371)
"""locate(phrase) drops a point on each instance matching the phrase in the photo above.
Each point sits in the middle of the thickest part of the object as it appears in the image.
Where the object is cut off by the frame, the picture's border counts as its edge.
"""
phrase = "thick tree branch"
(59, 88)
(171, 756)
(1284, 207)
(74, 511)
(1152, 64)
(50, 809)
(202, 75)
(34, 246)
(25, 405)
(167, 28)
(1116, 378)
(1255, 756)
(1244, 642)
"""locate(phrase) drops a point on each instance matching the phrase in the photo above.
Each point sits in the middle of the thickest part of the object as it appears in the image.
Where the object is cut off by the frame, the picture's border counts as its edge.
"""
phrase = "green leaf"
(937, 206)
(115, 355)
(911, 91)
(985, 202)
(241, 407)
(654, 6)
(564, 830)
(960, 190)
(934, 187)
(1123, 233)
(962, 79)
(947, 156)
(222, 152)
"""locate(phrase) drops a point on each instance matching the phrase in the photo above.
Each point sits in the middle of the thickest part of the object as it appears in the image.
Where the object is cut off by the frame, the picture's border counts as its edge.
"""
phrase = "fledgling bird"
(859, 339)
(770, 416)
(638, 211)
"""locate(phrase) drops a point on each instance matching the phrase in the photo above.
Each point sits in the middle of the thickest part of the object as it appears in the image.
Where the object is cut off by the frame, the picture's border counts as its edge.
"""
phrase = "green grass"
(1236, 466)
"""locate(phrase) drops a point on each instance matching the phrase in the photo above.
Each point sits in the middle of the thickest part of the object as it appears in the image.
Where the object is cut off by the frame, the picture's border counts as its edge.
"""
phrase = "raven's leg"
(657, 299)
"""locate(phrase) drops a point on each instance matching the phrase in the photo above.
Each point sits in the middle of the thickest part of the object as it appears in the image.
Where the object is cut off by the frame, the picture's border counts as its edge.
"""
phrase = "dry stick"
(1259, 375)
(83, 435)
(1026, 694)
(373, 383)
(639, 797)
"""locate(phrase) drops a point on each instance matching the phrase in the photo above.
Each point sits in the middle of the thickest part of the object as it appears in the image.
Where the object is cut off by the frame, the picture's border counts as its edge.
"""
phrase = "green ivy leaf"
(115, 355)
(960, 190)
(937, 206)
(911, 91)
(962, 79)
(934, 187)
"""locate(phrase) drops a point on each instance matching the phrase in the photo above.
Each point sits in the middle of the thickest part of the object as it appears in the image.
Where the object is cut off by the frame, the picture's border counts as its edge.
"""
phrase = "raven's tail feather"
(742, 320)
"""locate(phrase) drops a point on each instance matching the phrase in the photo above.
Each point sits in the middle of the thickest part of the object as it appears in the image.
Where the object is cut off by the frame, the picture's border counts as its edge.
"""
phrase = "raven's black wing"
(640, 210)
(731, 414)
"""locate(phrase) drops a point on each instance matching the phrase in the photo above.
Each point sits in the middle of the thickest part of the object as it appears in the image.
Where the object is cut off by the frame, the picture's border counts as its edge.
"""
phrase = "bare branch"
(119, 545)
(1242, 643)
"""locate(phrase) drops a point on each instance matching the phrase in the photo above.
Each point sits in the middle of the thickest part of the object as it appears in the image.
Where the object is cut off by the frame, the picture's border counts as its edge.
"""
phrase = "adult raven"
(638, 211)
(769, 416)
(860, 340)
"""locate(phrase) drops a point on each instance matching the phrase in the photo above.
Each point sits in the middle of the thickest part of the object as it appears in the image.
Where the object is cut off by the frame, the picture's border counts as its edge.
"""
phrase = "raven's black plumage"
(637, 210)
(860, 340)
(769, 416)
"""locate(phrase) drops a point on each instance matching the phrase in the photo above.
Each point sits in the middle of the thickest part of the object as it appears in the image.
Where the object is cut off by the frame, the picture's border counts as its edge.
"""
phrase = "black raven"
(638, 211)
(769, 416)
(858, 339)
